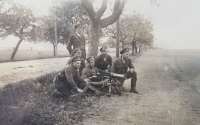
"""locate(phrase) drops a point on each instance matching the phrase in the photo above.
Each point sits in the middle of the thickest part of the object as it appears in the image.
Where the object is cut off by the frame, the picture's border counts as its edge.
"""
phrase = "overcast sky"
(176, 22)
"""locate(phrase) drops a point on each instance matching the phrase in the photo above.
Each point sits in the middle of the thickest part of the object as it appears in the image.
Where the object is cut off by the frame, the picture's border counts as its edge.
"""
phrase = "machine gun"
(111, 75)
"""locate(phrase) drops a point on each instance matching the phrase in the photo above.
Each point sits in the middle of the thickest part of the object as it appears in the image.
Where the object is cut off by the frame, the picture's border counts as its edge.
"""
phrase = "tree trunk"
(15, 50)
(122, 44)
(94, 40)
(136, 48)
(133, 48)
(55, 50)
(117, 38)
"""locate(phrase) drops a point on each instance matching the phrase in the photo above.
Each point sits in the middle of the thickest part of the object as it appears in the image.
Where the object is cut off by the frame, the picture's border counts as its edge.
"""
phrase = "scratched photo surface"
(99, 62)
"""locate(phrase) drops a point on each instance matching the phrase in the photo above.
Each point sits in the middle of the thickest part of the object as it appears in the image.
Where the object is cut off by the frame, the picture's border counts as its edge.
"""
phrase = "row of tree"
(57, 26)
(134, 29)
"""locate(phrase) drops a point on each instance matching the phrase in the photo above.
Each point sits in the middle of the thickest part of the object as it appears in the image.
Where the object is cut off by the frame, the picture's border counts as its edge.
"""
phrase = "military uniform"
(121, 67)
(103, 61)
(76, 40)
(82, 64)
(93, 71)
(68, 79)
(89, 72)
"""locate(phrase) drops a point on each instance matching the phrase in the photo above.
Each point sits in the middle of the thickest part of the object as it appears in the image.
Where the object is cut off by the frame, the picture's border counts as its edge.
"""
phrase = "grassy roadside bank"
(30, 102)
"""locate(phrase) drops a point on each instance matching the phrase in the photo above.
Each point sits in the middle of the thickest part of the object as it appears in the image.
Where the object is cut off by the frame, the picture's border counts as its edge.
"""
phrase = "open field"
(29, 55)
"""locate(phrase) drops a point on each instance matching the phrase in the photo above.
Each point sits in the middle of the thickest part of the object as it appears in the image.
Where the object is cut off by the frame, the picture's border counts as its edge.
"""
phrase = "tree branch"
(118, 7)
(17, 34)
(101, 11)
(21, 31)
(87, 5)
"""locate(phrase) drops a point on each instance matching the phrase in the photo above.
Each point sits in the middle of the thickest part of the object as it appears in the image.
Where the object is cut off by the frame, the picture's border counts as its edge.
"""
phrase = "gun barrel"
(118, 75)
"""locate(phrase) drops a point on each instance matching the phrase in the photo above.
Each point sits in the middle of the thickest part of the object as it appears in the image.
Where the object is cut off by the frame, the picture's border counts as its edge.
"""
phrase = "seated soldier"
(103, 61)
(77, 52)
(68, 81)
(91, 71)
(121, 65)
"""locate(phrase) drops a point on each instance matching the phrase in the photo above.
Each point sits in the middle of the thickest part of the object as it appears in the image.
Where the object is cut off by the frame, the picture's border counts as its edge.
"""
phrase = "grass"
(30, 102)
(29, 55)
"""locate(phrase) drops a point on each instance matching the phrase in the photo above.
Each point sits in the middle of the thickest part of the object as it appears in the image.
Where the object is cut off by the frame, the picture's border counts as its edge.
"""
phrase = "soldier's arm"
(130, 64)
(69, 44)
(79, 79)
(113, 66)
(110, 63)
(83, 63)
(70, 79)
(83, 39)
(84, 74)
(96, 61)
(131, 67)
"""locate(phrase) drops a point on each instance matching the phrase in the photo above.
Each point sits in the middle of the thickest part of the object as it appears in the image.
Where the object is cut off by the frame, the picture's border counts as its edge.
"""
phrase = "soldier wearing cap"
(77, 40)
(121, 65)
(68, 81)
(90, 71)
(77, 52)
(103, 61)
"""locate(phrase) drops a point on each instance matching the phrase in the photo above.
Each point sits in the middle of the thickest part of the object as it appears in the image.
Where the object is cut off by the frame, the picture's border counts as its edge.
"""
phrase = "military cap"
(76, 50)
(90, 58)
(76, 58)
(104, 49)
(124, 50)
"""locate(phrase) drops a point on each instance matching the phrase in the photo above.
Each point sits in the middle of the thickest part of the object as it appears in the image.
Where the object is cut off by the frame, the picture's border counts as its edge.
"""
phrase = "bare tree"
(97, 23)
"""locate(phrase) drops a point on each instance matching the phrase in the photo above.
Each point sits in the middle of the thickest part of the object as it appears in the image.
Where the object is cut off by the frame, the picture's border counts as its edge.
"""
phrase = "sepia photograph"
(99, 62)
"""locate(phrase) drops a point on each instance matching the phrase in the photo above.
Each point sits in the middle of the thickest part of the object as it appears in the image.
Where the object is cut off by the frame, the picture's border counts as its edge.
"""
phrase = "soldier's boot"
(133, 86)
(134, 90)
(97, 92)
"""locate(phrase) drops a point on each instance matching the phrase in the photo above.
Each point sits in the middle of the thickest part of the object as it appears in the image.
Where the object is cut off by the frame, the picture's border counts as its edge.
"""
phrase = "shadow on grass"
(30, 102)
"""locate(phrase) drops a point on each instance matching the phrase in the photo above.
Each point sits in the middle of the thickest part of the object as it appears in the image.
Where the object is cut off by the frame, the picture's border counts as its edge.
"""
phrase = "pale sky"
(176, 22)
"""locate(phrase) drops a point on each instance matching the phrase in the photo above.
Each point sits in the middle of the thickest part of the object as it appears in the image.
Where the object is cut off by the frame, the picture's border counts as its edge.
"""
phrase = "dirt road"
(168, 81)
(16, 71)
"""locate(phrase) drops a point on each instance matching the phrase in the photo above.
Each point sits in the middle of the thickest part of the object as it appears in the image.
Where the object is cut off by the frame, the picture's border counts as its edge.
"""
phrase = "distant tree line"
(20, 21)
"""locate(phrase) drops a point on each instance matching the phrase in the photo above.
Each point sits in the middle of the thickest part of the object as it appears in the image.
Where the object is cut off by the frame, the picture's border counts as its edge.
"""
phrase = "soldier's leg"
(119, 83)
(61, 88)
(133, 77)
(88, 85)
(83, 54)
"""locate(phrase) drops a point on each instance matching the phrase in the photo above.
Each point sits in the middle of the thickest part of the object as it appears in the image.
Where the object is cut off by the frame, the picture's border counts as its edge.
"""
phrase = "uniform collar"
(90, 67)
(121, 60)
(73, 66)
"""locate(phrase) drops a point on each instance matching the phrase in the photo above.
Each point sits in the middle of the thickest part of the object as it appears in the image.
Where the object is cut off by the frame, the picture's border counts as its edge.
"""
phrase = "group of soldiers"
(75, 76)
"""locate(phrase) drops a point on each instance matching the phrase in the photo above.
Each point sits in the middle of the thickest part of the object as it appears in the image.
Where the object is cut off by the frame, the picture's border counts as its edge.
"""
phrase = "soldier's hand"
(107, 80)
(86, 80)
(80, 90)
(131, 70)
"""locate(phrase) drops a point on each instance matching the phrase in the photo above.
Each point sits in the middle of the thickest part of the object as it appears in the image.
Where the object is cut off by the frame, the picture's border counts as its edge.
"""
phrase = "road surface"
(169, 83)
(11, 72)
